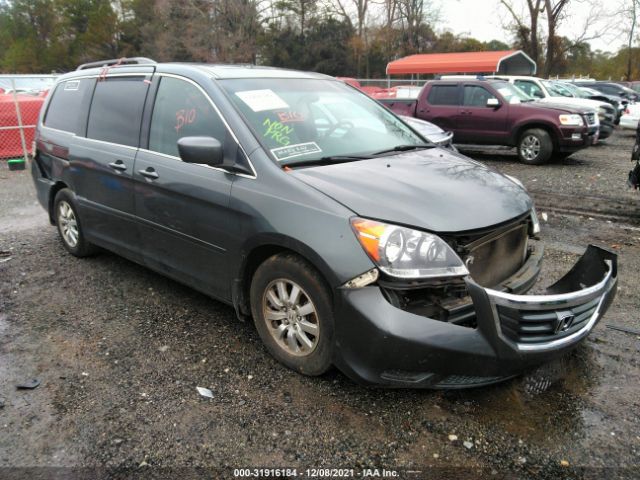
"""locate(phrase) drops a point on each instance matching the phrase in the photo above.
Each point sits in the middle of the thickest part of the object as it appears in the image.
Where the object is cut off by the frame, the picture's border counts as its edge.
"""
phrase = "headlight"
(406, 253)
(571, 120)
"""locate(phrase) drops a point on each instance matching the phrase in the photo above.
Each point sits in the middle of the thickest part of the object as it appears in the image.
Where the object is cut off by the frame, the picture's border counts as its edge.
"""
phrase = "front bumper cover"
(380, 344)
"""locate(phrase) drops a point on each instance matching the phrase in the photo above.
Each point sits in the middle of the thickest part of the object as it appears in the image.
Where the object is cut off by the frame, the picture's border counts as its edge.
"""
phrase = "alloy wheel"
(68, 224)
(530, 147)
(291, 317)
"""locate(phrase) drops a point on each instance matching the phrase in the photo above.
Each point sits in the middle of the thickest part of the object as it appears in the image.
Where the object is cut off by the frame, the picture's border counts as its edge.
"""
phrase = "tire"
(69, 226)
(535, 146)
(309, 314)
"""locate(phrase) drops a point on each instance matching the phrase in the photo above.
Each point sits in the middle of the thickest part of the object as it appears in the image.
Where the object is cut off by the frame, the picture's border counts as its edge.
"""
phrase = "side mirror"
(538, 94)
(203, 150)
(493, 103)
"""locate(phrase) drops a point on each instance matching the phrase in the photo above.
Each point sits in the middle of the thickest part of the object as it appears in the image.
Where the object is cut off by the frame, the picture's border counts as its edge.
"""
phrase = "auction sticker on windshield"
(297, 150)
(261, 100)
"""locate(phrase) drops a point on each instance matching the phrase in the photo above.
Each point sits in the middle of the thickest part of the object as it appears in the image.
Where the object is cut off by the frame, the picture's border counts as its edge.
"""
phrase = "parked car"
(548, 91)
(358, 246)
(431, 132)
(635, 86)
(618, 103)
(495, 112)
(630, 117)
(611, 88)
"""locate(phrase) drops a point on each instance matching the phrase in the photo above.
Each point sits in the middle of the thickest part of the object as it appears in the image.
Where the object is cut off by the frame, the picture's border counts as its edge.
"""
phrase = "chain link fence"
(21, 98)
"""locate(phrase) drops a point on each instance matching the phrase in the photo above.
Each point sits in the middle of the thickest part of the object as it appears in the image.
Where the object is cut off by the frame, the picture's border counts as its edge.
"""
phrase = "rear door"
(183, 209)
(441, 106)
(477, 122)
(102, 162)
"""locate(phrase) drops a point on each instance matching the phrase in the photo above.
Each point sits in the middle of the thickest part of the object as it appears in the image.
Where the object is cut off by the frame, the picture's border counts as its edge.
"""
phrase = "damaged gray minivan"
(350, 239)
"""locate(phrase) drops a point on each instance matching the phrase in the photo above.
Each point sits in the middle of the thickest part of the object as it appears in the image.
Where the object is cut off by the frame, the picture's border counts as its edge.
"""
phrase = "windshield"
(576, 91)
(511, 93)
(556, 90)
(591, 91)
(299, 120)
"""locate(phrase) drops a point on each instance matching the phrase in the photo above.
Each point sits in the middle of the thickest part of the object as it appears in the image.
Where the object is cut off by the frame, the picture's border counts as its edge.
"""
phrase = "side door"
(479, 122)
(185, 224)
(102, 162)
(440, 105)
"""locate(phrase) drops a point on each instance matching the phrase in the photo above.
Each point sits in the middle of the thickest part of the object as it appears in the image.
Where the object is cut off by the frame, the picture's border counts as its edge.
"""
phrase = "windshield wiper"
(331, 159)
(404, 148)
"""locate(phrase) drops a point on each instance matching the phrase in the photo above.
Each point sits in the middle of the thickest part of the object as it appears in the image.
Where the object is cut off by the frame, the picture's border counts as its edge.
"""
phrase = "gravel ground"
(119, 352)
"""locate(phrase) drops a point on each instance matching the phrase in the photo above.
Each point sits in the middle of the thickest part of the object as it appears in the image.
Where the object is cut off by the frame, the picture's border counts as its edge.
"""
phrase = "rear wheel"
(535, 146)
(69, 226)
(291, 308)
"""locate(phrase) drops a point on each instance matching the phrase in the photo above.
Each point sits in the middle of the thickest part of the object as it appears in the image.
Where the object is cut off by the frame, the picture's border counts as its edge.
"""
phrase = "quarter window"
(181, 110)
(65, 111)
(116, 110)
(444, 95)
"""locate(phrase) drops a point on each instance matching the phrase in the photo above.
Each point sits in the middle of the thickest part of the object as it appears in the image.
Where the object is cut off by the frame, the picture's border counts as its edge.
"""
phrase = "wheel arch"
(59, 185)
(260, 249)
(549, 128)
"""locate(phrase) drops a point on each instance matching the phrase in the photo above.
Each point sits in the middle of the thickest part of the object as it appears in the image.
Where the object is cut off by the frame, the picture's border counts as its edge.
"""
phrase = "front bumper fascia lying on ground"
(380, 344)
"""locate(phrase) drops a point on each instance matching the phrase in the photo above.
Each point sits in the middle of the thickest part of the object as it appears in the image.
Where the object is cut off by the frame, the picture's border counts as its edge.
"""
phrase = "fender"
(268, 244)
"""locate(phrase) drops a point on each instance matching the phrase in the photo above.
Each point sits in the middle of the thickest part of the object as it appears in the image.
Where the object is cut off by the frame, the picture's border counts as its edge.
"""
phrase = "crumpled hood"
(433, 190)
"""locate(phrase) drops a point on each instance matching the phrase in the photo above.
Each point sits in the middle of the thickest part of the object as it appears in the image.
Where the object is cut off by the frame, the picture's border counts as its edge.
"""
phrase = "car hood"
(430, 131)
(581, 102)
(559, 106)
(433, 189)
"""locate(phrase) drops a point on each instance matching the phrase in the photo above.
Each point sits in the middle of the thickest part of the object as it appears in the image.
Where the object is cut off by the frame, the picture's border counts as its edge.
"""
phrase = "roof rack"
(117, 61)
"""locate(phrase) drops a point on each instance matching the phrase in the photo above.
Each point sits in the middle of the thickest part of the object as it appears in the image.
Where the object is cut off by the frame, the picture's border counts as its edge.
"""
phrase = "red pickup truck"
(494, 112)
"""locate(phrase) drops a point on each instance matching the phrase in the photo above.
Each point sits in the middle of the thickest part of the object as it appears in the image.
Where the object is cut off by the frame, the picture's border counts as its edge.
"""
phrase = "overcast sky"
(483, 19)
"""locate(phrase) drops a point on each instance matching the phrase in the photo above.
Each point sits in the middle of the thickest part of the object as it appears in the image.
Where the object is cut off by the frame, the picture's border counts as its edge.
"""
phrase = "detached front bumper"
(378, 343)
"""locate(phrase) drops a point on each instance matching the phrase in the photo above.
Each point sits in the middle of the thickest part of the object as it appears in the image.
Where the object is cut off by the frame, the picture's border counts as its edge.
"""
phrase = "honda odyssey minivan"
(348, 238)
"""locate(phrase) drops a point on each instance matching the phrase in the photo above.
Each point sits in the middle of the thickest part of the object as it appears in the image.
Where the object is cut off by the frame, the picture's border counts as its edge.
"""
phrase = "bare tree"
(633, 11)
(413, 15)
(347, 8)
(526, 29)
(554, 11)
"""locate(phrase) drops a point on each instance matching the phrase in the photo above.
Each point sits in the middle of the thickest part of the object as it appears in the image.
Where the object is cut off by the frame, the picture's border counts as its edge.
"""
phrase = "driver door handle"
(149, 173)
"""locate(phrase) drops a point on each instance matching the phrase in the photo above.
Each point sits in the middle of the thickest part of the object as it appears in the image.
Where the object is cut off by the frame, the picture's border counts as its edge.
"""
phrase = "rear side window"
(67, 110)
(444, 95)
(116, 110)
(181, 110)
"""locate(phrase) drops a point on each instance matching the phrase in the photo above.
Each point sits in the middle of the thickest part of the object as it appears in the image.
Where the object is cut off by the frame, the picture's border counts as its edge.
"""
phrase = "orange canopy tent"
(506, 62)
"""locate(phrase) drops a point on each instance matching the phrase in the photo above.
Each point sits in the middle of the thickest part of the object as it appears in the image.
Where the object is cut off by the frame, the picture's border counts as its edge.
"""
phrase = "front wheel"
(291, 308)
(535, 147)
